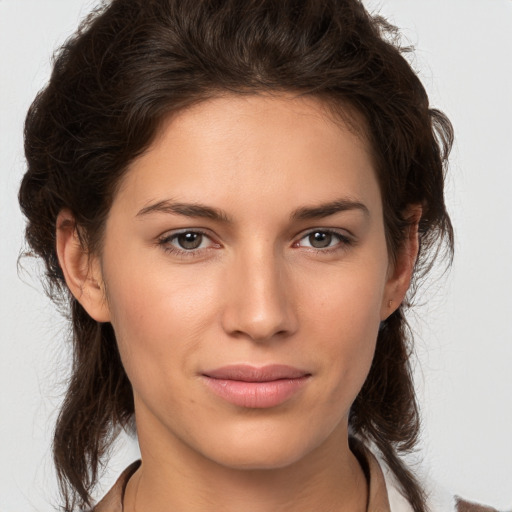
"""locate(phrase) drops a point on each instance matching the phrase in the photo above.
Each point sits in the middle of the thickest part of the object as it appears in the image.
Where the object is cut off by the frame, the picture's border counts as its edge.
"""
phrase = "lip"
(256, 387)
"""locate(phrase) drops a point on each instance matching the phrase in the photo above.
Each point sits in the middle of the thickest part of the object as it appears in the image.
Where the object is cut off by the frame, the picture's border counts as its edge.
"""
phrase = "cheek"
(156, 313)
(347, 299)
(344, 316)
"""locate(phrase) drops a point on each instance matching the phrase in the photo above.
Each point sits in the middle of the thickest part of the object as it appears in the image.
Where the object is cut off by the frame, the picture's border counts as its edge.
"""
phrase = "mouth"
(256, 388)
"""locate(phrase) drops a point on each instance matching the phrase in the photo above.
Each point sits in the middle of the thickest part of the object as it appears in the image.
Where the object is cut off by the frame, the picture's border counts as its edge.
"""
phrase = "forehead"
(298, 115)
(280, 148)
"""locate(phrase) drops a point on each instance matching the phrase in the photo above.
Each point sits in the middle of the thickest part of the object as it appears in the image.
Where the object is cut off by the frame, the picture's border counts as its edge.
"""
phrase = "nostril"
(259, 332)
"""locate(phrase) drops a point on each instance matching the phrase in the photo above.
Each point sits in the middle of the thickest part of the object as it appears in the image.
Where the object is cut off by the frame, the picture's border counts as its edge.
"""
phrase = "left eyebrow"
(327, 209)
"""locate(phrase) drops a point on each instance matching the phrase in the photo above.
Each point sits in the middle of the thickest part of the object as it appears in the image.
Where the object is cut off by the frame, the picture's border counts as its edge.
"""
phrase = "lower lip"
(256, 395)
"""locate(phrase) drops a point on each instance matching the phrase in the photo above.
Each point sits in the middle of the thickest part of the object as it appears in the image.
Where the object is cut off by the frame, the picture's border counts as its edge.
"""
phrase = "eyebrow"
(327, 209)
(216, 214)
(186, 209)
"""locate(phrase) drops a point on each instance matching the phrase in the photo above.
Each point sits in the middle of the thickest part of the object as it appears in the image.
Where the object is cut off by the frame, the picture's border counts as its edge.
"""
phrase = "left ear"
(400, 272)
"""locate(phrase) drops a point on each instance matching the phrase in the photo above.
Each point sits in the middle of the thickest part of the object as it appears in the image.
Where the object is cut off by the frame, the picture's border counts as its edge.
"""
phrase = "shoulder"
(467, 506)
(438, 498)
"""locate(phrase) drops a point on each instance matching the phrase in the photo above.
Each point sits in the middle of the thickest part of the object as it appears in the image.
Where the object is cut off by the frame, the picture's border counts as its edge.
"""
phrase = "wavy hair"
(130, 65)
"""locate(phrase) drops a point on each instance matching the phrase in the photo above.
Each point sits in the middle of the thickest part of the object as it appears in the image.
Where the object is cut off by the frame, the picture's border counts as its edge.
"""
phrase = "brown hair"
(132, 63)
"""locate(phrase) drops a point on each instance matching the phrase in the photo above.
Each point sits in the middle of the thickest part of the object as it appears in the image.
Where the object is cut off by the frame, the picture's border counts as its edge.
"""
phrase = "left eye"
(322, 239)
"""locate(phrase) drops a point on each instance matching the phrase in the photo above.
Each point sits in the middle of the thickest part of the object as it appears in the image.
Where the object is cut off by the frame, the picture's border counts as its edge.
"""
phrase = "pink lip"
(258, 388)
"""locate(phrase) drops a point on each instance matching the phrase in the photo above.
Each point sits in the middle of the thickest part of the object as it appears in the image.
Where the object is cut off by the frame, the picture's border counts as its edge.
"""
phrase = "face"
(246, 273)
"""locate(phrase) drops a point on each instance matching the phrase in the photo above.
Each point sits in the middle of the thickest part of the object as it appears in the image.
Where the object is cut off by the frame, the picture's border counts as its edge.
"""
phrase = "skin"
(255, 291)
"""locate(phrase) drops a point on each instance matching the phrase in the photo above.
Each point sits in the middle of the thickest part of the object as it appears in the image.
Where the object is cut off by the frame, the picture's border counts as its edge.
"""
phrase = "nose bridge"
(259, 302)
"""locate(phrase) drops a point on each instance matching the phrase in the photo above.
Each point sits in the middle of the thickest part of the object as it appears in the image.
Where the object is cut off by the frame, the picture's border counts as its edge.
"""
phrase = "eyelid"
(345, 233)
(172, 233)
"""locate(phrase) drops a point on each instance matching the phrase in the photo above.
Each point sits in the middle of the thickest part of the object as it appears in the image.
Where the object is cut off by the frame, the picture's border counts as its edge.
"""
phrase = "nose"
(259, 301)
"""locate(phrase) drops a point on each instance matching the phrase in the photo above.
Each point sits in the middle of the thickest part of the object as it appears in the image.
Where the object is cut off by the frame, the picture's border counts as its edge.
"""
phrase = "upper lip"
(248, 373)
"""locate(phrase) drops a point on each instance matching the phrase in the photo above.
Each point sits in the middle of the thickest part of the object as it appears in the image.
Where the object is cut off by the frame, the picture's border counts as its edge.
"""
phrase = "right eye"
(186, 242)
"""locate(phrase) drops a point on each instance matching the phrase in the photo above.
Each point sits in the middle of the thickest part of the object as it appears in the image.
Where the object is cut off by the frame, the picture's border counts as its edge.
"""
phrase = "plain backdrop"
(464, 327)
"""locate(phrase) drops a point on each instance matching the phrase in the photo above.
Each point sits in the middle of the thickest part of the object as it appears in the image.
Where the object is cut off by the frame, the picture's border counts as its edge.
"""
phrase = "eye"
(186, 241)
(189, 240)
(323, 239)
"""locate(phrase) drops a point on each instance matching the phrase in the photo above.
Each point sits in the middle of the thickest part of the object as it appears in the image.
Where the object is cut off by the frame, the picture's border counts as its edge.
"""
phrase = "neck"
(175, 479)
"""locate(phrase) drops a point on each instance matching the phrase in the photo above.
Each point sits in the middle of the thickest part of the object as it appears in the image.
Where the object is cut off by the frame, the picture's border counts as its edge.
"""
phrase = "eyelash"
(166, 242)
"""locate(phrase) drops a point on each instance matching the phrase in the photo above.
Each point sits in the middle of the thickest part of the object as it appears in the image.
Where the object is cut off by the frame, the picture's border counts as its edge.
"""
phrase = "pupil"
(190, 240)
(320, 239)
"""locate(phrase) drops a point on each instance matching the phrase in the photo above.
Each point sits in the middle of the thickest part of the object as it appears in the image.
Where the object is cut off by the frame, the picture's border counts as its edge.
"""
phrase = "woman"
(235, 197)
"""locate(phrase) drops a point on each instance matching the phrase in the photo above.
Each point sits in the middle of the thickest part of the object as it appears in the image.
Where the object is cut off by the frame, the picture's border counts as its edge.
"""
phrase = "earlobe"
(81, 270)
(403, 268)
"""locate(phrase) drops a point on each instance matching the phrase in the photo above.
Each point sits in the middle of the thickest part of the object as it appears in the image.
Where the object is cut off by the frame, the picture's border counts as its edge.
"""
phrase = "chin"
(262, 459)
(265, 449)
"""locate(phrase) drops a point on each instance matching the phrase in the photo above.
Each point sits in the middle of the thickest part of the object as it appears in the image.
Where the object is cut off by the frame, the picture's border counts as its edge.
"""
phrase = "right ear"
(81, 269)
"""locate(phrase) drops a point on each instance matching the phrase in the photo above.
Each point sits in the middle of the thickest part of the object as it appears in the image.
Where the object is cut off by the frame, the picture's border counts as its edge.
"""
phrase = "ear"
(82, 270)
(401, 270)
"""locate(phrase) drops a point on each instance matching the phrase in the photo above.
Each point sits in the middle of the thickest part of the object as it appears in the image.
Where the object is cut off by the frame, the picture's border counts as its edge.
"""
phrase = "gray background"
(464, 329)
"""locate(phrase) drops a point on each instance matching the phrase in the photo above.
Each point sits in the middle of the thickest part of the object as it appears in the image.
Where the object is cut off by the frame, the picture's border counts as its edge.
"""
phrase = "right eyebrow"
(186, 209)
